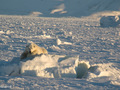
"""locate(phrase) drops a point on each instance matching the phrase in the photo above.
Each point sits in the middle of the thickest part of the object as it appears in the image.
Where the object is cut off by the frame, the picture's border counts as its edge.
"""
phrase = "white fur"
(33, 49)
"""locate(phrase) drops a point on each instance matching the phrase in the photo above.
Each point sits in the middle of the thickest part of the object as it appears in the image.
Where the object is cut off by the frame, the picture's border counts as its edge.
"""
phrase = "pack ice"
(50, 66)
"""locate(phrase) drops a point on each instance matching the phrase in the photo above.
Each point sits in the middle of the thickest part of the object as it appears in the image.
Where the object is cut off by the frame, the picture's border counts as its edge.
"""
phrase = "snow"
(110, 21)
(82, 69)
(74, 44)
(81, 54)
(57, 8)
(39, 66)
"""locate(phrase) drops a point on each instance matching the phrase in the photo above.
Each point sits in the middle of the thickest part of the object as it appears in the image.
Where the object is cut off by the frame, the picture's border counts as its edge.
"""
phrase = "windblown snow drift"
(50, 66)
(55, 66)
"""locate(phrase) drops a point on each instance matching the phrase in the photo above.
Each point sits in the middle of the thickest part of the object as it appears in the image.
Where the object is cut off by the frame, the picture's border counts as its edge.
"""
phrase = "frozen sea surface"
(81, 37)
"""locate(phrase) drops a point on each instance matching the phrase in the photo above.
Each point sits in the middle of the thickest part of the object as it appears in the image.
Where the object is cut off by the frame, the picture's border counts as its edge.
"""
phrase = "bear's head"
(31, 47)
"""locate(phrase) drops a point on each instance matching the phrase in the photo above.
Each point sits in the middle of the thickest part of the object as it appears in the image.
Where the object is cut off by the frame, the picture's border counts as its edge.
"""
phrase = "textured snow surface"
(65, 39)
(49, 66)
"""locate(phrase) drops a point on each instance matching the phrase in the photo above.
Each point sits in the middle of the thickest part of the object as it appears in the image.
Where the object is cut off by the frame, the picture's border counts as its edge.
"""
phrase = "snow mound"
(104, 70)
(38, 66)
(10, 68)
(59, 9)
(58, 66)
(50, 66)
(110, 21)
(82, 69)
(59, 42)
(35, 14)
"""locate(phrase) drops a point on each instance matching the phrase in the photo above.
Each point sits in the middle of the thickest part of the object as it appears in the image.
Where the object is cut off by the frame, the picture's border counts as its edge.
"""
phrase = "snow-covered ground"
(75, 42)
(62, 37)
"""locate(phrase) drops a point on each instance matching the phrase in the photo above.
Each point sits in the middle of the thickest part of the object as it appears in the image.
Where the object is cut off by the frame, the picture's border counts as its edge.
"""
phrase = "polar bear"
(33, 49)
